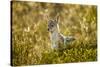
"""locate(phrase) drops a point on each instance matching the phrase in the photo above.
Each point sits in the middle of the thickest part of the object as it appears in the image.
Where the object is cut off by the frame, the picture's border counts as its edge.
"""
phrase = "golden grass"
(30, 37)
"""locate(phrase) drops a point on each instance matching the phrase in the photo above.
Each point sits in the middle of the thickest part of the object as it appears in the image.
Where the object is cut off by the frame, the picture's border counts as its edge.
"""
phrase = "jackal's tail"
(68, 39)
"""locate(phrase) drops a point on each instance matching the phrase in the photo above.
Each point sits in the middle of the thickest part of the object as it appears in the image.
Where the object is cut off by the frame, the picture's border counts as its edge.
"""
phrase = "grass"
(30, 37)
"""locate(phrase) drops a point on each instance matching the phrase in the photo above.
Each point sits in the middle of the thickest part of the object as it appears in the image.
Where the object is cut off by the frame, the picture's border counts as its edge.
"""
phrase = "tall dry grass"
(30, 37)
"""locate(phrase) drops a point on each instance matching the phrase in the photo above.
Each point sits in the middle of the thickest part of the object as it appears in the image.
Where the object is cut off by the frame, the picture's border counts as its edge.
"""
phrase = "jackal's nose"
(48, 29)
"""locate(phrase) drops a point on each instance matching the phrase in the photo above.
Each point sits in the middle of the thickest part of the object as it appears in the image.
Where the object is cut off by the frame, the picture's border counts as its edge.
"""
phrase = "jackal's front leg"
(54, 45)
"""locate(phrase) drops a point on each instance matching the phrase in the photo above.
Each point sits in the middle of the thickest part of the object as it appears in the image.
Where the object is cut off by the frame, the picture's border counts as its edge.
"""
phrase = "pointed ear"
(46, 17)
(57, 18)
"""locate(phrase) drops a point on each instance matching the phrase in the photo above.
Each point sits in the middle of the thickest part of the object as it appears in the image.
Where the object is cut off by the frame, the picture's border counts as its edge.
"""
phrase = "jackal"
(58, 40)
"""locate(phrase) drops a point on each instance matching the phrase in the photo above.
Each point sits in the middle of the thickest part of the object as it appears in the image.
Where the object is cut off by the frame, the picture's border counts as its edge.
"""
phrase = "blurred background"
(30, 37)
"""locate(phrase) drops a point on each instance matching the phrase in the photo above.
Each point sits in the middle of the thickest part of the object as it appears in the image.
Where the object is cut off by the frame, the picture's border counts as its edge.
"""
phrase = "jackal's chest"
(57, 38)
(54, 37)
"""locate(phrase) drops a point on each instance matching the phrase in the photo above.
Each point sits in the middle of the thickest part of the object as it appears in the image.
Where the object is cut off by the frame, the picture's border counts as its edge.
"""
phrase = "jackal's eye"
(52, 25)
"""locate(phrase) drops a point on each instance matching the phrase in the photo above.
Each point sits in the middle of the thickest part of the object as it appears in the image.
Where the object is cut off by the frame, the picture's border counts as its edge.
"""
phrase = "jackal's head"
(53, 25)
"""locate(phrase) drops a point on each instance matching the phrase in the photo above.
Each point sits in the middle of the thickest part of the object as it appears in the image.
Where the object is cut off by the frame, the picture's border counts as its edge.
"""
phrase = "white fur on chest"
(54, 39)
(54, 36)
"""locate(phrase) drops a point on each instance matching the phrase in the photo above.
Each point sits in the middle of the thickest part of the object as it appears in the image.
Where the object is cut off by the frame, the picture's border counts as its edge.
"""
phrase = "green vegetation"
(30, 37)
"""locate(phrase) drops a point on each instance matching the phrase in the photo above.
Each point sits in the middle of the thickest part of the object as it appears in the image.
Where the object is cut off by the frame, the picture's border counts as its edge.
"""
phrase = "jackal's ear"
(46, 17)
(57, 18)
